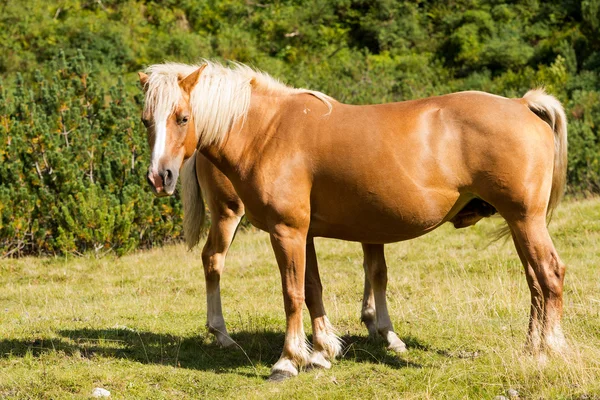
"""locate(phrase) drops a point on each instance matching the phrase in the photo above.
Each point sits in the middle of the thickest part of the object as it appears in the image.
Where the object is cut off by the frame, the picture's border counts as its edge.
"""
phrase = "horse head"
(171, 131)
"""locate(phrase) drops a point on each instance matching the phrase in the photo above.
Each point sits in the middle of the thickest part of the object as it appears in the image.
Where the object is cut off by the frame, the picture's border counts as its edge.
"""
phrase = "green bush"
(72, 151)
(73, 159)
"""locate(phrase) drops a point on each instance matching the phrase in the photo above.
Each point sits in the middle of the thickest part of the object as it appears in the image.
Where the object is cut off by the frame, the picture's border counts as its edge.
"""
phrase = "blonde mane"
(220, 98)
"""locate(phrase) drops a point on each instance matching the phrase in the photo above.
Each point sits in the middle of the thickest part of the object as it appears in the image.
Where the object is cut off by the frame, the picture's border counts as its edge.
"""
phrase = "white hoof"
(283, 369)
(318, 360)
(394, 343)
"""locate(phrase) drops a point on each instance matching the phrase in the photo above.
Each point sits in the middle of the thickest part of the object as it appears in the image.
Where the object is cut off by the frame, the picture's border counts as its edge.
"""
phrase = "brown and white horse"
(305, 165)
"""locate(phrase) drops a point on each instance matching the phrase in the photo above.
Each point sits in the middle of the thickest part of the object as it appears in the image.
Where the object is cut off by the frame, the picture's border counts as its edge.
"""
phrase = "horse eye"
(184, 120)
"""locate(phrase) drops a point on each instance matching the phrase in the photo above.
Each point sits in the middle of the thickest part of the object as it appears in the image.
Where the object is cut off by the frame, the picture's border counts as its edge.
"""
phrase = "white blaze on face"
(160, 141)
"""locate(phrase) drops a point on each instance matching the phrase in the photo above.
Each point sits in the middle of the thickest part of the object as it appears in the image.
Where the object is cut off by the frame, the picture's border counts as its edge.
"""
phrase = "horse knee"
(213, 264)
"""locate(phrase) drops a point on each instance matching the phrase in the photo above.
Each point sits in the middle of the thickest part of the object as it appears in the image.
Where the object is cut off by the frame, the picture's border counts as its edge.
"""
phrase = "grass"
(135, 325)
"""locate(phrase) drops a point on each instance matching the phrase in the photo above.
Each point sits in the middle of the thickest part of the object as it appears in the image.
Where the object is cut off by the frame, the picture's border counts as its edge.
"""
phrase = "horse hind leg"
(326, 344)
(377, 272)
(368, 314)
(545, 275)
(534, 334)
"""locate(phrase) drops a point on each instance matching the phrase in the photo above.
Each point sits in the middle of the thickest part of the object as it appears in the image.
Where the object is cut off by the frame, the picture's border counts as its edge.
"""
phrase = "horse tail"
(193, 203)
(549, 109)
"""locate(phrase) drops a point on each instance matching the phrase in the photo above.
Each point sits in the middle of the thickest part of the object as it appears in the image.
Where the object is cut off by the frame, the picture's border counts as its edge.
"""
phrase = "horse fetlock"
(329, 344)
(368, 317)
(372, 328)
(297, 351)
(325, 340)
(533, 345)
(555, 340)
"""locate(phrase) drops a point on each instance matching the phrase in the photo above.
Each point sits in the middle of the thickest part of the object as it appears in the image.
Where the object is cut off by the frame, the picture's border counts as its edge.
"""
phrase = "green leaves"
(74, 159)
(70, 100)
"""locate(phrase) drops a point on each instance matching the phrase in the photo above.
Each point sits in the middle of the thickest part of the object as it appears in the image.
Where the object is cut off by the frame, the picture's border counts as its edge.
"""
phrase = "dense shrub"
(72, 163)
(62, 194)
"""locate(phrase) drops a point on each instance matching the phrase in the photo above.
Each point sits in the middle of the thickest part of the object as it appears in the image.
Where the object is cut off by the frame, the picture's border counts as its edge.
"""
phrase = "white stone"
(100, 392)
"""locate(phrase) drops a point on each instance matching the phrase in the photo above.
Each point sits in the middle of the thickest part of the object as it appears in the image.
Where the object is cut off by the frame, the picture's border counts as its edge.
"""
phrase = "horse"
(202, 182)
(306, 165)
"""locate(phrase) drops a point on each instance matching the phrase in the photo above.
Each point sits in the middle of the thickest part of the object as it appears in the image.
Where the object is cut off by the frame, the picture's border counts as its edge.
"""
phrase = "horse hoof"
(397, 347)
(279, 376)
(225, 341)
(318, 361)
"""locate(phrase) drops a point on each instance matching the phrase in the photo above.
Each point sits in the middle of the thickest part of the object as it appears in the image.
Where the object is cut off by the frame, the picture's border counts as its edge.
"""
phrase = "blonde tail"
(193, 203)
(549, 109)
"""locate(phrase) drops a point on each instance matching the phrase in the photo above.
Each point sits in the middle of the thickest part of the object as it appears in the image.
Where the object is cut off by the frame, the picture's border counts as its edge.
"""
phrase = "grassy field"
(135, 325)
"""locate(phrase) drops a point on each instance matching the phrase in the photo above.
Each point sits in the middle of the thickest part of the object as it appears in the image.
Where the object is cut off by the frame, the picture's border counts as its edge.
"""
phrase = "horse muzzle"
(162, 181)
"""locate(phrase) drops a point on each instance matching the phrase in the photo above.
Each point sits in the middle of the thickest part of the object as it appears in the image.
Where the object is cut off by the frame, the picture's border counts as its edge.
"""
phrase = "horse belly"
(381, 218)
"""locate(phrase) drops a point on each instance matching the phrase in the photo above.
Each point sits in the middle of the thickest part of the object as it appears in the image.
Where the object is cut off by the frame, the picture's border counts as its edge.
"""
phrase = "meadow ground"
(135, 325)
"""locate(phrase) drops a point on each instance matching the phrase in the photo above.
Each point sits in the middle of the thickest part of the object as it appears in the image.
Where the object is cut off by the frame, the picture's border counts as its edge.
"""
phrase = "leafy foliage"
(72, 164)
(359, 51)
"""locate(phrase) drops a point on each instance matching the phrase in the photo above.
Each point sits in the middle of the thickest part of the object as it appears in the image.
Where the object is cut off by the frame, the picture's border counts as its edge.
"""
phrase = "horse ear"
(143, 79)
(188, 83)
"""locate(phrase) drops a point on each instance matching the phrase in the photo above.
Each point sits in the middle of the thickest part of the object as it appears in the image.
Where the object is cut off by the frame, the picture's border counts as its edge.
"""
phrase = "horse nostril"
(167, 177)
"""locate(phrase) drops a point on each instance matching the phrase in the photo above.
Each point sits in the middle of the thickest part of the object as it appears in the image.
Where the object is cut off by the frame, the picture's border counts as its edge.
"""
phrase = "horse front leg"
(326, 344)
(368, 315)
(289, 245)
(220, 236)
(377, 271)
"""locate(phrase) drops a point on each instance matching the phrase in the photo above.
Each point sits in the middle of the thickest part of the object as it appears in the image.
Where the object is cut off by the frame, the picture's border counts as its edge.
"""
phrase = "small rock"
(512, 393)
(467, 354)
(500, 398)
(100, 392)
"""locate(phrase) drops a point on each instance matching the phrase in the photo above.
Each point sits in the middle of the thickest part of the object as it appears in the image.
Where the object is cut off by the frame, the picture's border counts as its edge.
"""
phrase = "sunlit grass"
(135, 325)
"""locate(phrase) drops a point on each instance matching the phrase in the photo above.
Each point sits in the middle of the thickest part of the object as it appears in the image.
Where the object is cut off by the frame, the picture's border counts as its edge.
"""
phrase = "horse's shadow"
(198, 352)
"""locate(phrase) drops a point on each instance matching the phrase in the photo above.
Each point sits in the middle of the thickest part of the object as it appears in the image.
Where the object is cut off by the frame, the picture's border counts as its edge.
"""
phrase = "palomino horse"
(199, 176)
(305, 166)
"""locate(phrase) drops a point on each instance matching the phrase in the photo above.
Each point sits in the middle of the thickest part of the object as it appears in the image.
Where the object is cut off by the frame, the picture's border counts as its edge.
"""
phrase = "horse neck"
(237, 154)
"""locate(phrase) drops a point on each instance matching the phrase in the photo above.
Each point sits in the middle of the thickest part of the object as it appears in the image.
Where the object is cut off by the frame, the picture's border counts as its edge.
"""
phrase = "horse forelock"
(220, 98)
(162, 88)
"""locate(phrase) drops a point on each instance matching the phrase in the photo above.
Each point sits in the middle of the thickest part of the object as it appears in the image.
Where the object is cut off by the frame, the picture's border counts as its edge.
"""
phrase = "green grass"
(135, 325)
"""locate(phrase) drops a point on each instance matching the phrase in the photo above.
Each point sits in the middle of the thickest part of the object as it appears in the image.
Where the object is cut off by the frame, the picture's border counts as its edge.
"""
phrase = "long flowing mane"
(220, 98)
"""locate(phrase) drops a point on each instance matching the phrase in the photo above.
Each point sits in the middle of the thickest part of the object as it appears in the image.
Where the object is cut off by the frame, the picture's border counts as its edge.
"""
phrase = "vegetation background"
(73, 157)
(72, 149)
